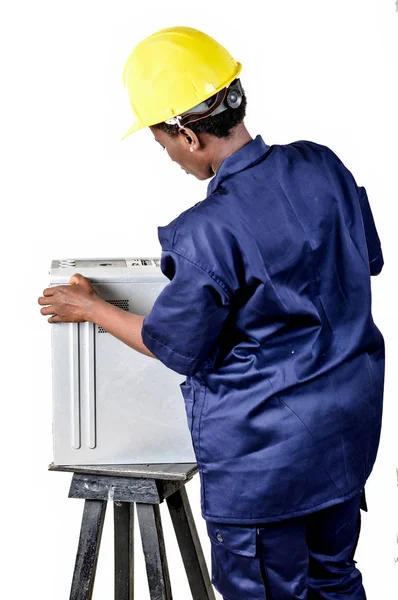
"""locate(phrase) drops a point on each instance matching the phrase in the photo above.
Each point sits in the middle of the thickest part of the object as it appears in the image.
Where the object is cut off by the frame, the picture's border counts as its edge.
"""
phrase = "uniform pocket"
(235, 564)
(239, 539)
(188, 393)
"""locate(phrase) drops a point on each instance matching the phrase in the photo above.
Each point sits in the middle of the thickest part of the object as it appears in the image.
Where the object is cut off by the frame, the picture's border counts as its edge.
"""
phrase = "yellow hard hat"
(172, 71)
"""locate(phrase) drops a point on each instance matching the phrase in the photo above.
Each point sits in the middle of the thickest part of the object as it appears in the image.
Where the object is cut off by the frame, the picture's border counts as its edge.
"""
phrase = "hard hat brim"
(136, 126)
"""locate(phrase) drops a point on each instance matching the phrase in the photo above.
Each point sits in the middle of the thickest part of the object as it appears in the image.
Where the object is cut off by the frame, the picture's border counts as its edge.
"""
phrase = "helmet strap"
(229, 97)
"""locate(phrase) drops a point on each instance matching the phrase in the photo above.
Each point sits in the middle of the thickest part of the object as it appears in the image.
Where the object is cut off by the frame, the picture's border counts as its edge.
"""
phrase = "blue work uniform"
(267, 314)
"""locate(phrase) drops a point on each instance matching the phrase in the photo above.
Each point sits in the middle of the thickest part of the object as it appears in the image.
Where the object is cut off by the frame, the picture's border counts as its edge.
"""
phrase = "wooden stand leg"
(88, 549)
(123, 514)
(154, 551)
(190, 547)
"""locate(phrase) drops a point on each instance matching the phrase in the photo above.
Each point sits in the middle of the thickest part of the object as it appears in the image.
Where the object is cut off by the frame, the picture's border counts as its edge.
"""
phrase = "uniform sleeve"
(187, 316)
(375, 253)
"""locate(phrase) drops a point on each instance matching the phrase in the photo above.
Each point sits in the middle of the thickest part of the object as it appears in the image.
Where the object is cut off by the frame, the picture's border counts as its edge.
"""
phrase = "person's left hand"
(69, 303)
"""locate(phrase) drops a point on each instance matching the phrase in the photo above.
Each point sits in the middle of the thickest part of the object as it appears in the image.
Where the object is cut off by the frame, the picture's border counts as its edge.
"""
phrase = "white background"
(315, 70)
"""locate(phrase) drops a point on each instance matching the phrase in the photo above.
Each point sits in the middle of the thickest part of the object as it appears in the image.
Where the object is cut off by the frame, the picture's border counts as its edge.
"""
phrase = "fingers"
(49, 310)
(76, 278)
(66, 300)
(54, 319)
(48, 292)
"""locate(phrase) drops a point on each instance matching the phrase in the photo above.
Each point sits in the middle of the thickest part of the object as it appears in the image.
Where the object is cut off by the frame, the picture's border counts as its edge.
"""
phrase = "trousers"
(305, 558)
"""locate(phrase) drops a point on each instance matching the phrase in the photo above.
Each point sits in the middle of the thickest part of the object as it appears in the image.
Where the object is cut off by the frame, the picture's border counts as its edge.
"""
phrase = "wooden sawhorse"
(146, 486)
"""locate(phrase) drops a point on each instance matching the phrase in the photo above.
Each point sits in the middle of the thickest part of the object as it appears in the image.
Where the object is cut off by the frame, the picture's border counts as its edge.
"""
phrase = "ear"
(189, 137)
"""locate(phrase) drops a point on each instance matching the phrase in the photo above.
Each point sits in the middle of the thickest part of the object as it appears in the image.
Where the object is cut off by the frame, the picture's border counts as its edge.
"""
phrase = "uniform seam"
(341, 437)
(308, 430)
(208, 272)
(313, 439)
(203, 389)
(263, 568)
(296, 513)
(307, 237)
(199, 418)
(328, 176)
(190, 358)
(376, 257)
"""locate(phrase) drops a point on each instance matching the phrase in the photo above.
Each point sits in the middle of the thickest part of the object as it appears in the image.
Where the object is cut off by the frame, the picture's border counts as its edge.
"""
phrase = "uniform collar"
(239, 160)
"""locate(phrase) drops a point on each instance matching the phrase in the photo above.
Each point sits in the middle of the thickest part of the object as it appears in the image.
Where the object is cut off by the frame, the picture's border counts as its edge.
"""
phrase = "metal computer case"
(112, 404)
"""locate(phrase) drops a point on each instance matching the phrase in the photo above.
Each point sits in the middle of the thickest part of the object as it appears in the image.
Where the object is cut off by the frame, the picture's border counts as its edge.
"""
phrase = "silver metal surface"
(112, 404)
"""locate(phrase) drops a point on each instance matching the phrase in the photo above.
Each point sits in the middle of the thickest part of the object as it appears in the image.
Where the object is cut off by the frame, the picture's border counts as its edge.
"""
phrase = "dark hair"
(220, 125)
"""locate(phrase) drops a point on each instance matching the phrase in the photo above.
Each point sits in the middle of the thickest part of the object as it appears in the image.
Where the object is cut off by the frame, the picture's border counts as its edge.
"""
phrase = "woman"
(268, 315)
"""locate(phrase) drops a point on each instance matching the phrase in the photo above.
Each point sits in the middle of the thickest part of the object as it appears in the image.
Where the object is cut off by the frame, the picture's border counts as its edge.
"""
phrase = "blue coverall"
(268, 316)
